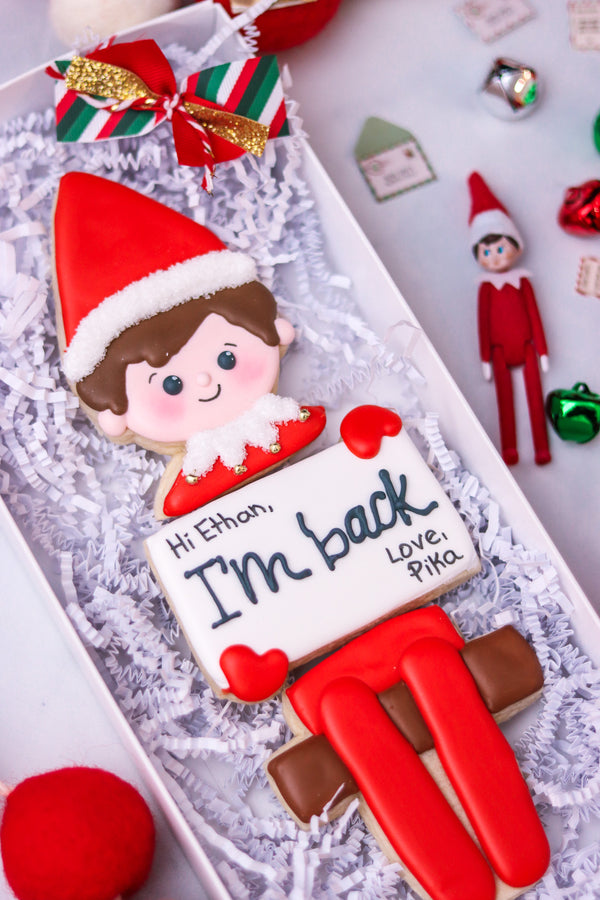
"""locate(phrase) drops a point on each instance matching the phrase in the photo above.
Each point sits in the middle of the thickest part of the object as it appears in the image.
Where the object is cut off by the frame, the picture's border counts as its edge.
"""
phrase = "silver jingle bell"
(511, 90)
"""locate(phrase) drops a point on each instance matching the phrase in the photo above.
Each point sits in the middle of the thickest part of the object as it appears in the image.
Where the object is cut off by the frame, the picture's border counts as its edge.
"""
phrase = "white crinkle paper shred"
(85, 507)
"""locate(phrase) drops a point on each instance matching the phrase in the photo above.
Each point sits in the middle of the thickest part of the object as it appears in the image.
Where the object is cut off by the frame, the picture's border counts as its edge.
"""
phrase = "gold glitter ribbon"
(100, 79)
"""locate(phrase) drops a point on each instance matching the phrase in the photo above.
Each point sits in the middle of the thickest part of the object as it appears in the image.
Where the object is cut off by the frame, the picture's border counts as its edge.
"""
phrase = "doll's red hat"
(122, 257)
(488, 215)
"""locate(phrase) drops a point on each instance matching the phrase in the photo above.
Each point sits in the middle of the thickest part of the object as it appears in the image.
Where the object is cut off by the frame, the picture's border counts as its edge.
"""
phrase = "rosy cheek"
(251, 371)
(155, 414)
(166, 407)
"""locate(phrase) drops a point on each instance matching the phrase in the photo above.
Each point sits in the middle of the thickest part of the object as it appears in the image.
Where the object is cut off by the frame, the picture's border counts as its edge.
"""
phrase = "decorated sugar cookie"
(169, 340)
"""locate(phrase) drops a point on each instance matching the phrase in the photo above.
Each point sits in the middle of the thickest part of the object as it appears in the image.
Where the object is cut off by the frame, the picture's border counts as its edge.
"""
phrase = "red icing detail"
(372, 657)
(76, 833)
(364, 427)
(161, 238)
(416, 818)
(478, 761)
(251, 676)
(183, 498)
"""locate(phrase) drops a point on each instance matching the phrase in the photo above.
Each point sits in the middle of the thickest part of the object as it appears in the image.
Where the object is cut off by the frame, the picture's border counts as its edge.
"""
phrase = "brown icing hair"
(157, 339)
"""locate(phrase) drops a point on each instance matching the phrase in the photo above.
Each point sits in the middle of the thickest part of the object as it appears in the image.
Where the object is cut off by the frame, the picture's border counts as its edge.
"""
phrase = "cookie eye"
(500, 249)
(486, 252)
(226, 359)
(172, 384)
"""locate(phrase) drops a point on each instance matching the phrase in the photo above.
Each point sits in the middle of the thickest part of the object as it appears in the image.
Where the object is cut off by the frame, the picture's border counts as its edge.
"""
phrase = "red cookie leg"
(478, 761)
(506, 407)
(535, 401)
(408, 805)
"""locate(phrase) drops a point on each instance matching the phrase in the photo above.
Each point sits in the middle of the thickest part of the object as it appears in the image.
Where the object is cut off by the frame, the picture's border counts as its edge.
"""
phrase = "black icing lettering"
(227, 521)
(431, 536)
(414, 569)
(357, 514)
(398, 500)
(379, 525)
(356, 527)
(436, 562)
(330, 558)
(451, 557)
(244, 516)
(255, 509)
(267, 571)
(183, 542)
(204, 532)
(199, 571)
(214, 523)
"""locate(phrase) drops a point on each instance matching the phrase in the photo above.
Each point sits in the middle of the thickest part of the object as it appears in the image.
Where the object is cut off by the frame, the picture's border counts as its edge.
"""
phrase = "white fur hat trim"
(493, 221)
(158, 292)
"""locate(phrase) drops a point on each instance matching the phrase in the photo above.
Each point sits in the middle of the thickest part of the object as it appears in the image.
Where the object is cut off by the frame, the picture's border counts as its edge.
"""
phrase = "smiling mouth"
(214, 396)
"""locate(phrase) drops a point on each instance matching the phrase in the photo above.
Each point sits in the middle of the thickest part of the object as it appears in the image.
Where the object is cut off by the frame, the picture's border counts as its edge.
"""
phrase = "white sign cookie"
(297, 562)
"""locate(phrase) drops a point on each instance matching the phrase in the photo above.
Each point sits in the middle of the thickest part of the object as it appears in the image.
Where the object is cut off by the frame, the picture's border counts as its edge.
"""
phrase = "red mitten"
(76, 834)
(363, 428)
(252, 676)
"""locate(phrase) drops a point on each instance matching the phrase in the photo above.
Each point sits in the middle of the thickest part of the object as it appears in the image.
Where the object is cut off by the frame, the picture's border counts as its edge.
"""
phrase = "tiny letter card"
(391, 159)
(584, 24)
(490, 19)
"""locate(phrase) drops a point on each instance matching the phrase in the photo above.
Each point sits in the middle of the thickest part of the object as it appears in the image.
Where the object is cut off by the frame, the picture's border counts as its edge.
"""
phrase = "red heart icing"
(364, 427)
(253, 676)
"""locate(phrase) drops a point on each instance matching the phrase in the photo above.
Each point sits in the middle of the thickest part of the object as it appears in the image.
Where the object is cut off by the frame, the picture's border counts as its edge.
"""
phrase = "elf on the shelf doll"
(510, 328)
(171, 341)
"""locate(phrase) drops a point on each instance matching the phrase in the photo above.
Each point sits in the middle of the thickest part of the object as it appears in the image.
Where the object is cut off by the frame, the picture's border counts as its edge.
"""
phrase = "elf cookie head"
(165, 331)
(495, 241)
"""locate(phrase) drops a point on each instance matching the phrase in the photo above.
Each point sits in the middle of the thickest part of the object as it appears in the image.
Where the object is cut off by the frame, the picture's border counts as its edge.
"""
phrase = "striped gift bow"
(126, 90)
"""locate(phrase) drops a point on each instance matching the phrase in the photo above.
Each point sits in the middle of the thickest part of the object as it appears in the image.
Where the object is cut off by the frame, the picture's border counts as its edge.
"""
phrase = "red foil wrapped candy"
(580, 212)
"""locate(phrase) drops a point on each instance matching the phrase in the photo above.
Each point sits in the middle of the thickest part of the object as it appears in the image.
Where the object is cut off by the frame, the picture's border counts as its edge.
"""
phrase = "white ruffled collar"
(499, 279)
(257, 427)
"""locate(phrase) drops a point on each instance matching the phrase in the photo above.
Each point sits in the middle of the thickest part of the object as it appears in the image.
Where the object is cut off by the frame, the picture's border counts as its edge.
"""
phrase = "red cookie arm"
(478, 761)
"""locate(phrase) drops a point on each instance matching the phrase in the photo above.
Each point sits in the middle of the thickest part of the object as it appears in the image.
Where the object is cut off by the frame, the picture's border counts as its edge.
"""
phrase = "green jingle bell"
(575, 413)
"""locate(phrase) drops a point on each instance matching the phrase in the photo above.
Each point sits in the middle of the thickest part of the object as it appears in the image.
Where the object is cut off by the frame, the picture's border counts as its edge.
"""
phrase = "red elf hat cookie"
(122, 257)
(488, 215)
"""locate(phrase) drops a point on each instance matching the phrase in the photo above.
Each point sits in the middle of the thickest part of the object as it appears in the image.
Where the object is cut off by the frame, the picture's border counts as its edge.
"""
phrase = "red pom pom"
(76, 834)
(291, 25)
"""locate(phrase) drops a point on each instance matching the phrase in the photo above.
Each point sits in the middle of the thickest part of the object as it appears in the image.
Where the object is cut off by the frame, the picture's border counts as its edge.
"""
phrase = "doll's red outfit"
(189, 492)
(511, 334)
